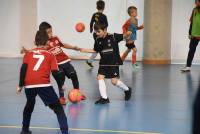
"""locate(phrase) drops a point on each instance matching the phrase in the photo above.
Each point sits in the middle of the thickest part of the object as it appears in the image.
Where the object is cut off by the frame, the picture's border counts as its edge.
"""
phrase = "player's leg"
(61, 116)
(28, 109)
(91, 59)
(102, 86)
(61, 91)
(192, 50)
(102, 89)
(125, 54)
(70, 72)
(93, 56)
(114, 75)
(50, 98)
(134, 63)
(127, 90)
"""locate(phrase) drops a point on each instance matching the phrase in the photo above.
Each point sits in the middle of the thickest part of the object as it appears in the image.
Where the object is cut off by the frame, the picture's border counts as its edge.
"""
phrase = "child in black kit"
(97, 17)
(107, 46)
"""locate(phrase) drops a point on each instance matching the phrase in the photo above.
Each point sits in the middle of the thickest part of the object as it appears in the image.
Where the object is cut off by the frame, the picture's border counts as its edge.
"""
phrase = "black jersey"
(98, 17)
(108, 49)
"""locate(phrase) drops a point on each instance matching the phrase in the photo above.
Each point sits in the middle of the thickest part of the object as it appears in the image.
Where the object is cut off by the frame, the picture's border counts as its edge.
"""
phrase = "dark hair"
(100, 5)
(131, 8)
(41, 38)
(44, 26)
(99, 26)
(197, 0)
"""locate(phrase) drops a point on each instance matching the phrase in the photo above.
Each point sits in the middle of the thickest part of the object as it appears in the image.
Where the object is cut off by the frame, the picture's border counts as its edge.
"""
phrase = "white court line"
(86, 130)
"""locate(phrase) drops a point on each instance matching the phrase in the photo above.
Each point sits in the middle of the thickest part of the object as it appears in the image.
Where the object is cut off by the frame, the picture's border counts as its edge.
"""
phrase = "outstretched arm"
(68, 46)
(22, 77)
(86, 50)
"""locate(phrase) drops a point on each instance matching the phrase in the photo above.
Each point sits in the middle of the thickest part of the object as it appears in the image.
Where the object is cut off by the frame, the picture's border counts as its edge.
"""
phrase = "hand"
(141, 26)
(18, 90)
(23, 50)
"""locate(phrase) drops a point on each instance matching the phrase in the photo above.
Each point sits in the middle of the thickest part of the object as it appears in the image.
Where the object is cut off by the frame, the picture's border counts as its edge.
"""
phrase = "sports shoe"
(89, 63)
(25, 132)
(185, 69)
(135, 66)
(83, 97)
(127, 94)
(102, 101)
(62, 100)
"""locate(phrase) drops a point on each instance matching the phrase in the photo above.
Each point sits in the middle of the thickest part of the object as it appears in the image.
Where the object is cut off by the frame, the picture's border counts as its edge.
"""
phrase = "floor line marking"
(86, 130)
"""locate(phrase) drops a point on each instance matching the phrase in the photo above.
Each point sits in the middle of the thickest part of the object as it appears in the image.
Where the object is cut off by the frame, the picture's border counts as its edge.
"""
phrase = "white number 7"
(39, 62)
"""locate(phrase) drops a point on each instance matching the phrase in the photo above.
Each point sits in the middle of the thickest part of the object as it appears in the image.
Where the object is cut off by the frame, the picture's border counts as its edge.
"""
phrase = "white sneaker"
(185, 69)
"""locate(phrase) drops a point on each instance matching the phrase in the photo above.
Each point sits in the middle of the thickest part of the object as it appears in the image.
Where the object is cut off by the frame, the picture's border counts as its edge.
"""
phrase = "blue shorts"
(47, 94)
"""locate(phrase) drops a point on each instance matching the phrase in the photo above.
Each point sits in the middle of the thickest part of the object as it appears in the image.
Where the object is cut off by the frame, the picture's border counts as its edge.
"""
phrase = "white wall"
(182, 10)
(10, 28)
(64, 14)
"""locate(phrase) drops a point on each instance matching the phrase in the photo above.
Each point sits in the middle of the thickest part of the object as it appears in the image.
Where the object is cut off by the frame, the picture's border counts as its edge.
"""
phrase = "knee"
(73, 75)
(57, 107)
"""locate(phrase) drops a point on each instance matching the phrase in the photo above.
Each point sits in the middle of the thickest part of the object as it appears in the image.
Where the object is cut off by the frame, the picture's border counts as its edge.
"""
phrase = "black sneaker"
(127, 94)
(26, 132)
(102, 101)
(89, 63)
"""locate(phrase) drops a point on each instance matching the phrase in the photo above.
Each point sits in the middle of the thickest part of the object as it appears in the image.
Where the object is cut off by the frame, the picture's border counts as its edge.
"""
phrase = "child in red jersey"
(35, 77)
(55, 46)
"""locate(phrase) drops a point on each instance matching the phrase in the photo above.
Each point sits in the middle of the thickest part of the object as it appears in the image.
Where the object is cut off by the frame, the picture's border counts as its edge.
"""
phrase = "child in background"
(35, 77)
(194, 35)
(131, 25)
(107, 46)
(55, 46)
(97, 17)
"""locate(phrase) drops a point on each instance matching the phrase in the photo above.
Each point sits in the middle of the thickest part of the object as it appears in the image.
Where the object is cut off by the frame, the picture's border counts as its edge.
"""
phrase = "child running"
(131, 25)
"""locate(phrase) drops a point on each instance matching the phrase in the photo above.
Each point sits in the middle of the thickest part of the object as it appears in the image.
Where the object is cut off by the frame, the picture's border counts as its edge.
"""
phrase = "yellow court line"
(86, 130)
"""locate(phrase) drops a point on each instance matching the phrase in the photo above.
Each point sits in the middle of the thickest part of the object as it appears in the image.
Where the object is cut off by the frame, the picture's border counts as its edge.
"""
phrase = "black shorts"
(47, 94)
(67, 68)
(130, 45)
(109, 71)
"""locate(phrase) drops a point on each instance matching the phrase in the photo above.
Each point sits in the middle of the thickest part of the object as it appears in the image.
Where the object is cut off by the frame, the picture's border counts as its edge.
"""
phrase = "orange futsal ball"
(80, 27)
(74, 95)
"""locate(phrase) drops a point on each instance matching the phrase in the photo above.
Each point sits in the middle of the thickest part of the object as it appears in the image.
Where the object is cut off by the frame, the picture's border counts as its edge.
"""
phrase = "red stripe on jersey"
(54, 46)
(40, 64)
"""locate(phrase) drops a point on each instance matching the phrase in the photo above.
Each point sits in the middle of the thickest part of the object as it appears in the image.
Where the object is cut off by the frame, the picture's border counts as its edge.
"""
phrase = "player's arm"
(86, 50)
(126, 26)
(92, 22)
(22, 77)
(68, 46)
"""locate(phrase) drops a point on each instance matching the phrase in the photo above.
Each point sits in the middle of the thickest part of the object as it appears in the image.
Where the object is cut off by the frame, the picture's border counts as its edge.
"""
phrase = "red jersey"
(40, 64)
(54, 46)
(126, 26)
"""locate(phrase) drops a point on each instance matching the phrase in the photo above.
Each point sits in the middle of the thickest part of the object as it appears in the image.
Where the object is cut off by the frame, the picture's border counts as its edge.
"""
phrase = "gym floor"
(161, 102)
